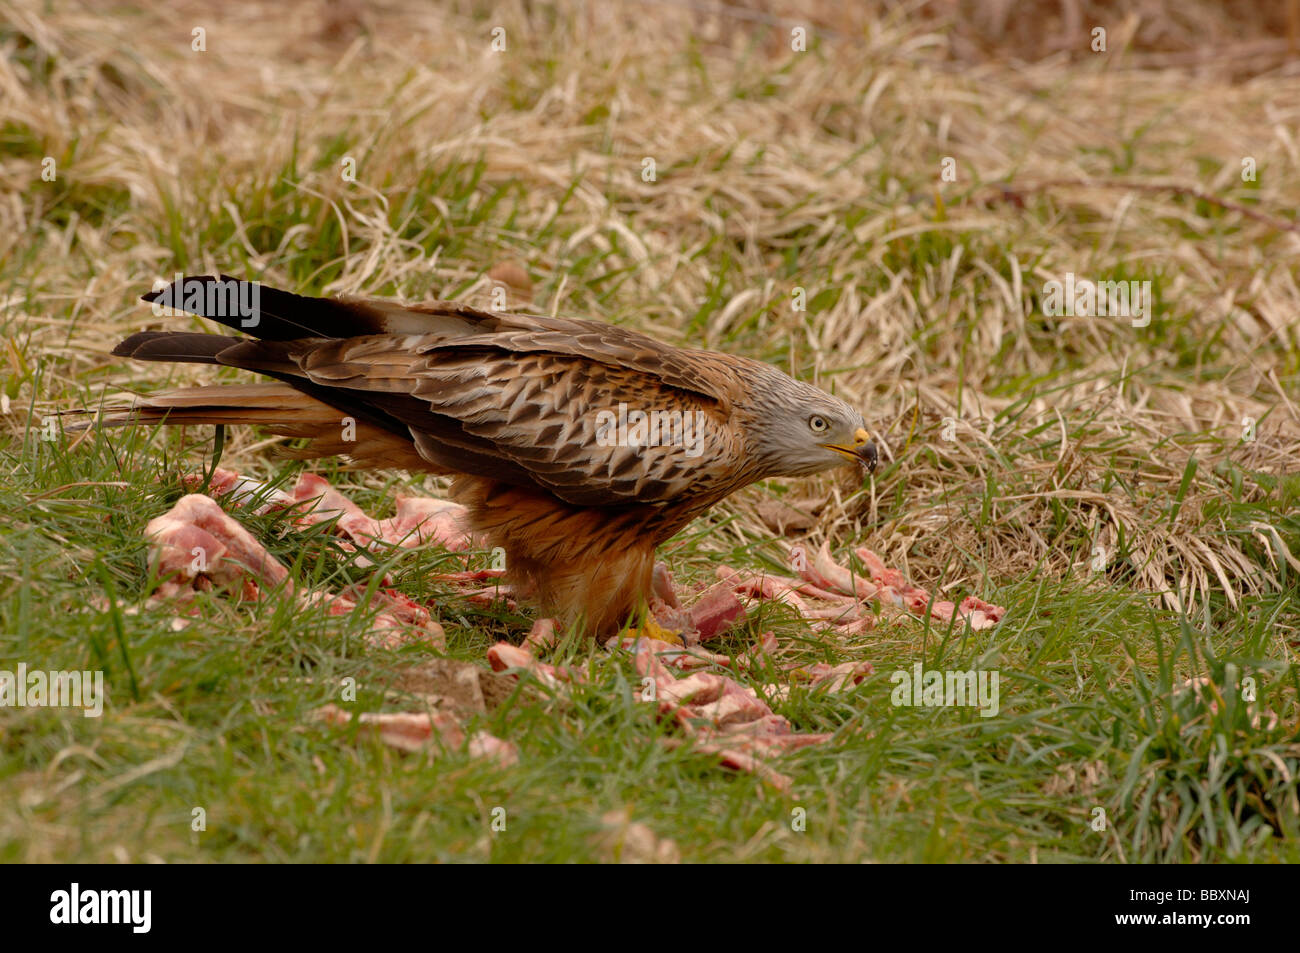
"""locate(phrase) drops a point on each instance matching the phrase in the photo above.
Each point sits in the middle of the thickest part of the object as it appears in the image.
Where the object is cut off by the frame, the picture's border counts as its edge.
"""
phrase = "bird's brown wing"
(532, 417)
(707, 373)
(510, 397)
(286, 317)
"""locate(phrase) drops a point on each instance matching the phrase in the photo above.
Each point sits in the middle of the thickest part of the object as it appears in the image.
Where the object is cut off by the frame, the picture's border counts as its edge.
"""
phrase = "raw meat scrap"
(419, 519)
(631, 842)
(415, 731)
(723, 716)
(890, 587)
(197, 545)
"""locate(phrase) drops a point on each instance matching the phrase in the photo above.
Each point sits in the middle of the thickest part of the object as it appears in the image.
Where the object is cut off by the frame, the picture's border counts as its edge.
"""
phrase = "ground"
(1126, 487)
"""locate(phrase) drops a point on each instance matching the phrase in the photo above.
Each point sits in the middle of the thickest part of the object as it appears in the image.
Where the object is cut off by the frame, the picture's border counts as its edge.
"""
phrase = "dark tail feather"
(267, 312)
(185, 347)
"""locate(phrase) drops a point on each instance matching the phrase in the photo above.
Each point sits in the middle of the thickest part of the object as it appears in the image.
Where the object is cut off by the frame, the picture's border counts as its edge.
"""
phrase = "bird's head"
(800, 429)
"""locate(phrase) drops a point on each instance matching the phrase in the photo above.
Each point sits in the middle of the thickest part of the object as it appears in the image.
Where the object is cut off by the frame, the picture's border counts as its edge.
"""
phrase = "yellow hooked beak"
(863, 450)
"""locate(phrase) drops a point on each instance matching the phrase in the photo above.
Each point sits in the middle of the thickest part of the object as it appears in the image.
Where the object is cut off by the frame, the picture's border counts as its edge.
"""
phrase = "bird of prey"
(578, 446)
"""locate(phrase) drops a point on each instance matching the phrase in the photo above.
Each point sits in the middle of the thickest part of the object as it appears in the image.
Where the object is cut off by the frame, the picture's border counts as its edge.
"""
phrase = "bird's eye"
(818, 423)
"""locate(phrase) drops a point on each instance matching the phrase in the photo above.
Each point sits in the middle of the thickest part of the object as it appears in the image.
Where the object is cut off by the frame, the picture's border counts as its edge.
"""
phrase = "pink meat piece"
(319, 501)
(890, 586)
(503, 656)
(697, 689)
(834, 677)
(542, 635)
(848, 613)
(682, 658)
(675, 619)
(825, 595)
(727, 716)
(985, 613)
(468, 581)
(878, 571)
(857, 626)
(813, 573)
(763, 586)
(414, 731)
(221, 482)
(738, 704)
(828, 574)
(419, 519)
(468, 575)
(769, 736)
(648, 661)
(766, 645)
(485, 745)
(724, 717)
(910, 597)
(717, 610)
(198, 543)
(196, 537)
(943, 610)
(404, 608)
(422, 519)
(835, 613)
(240, 490)
(661, 583)
(399, 621)
(738, 760)
(180, 548)
(666, 608)
(742, 760)
(810, 574)
(489, 595)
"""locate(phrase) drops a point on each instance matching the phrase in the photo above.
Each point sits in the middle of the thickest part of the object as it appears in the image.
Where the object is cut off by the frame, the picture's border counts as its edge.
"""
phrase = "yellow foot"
(653, 630)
